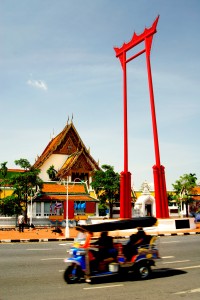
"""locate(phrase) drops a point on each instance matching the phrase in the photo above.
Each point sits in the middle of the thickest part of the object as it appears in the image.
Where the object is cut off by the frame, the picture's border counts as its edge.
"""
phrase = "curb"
(71, 239)
(34, 240)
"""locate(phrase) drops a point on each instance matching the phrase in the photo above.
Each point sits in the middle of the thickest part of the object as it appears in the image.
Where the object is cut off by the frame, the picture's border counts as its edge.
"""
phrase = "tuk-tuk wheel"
(72, 274)
(143, 271)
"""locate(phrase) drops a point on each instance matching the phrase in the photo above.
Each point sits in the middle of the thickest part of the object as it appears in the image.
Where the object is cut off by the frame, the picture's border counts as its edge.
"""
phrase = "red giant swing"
(158, 170)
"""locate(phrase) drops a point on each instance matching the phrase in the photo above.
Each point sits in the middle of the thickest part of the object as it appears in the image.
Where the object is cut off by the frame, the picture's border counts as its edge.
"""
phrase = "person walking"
(21, 222)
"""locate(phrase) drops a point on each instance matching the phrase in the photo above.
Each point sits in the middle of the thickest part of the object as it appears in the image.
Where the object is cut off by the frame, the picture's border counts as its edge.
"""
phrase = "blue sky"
(57, 60)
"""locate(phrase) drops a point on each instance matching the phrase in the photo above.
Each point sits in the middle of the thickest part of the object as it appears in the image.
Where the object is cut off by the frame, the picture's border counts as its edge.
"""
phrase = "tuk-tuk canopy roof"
(119, 224)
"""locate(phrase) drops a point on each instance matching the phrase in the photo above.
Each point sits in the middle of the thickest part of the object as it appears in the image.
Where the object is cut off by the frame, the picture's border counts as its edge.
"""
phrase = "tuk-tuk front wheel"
(72, 274)
(143, 271)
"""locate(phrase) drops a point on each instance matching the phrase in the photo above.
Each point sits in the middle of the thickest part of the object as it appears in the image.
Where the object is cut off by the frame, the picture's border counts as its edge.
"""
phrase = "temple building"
(70, 190)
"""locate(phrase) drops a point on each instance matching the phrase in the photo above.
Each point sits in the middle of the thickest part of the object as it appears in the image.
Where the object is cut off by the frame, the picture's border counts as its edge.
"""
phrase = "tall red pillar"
(158, 169)
(125, 177)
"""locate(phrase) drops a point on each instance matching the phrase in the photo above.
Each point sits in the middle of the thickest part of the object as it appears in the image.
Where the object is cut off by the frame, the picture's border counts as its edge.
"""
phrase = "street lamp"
(66, 183)
(67, 211)
(67, 204)
(32, 196)
(31, 212)
(67, 207)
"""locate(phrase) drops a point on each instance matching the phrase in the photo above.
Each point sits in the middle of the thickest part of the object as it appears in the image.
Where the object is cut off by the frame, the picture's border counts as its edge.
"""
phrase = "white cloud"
(39, 84)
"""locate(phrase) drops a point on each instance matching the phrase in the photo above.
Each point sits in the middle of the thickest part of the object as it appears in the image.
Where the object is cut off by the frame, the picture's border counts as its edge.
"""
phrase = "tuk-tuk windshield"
(80, 239)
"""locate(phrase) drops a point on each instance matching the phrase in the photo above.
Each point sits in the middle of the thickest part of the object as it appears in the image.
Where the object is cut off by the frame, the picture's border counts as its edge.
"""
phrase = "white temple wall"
(57, 160)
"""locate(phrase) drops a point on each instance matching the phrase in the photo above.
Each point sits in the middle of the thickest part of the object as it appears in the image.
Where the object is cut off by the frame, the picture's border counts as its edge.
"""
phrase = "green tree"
(23, 183)
(4, 169)
(106, 184)
(3, 172)
(52, 173)
(184, 189)
(10, 206)
(171, 198)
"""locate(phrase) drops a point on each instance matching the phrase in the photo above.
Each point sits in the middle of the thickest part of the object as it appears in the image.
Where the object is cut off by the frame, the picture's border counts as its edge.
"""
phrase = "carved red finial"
(137, 39)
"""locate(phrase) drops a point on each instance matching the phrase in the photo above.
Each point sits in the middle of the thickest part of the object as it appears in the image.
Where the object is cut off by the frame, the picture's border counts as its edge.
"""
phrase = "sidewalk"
(46, 234)
(34, 235)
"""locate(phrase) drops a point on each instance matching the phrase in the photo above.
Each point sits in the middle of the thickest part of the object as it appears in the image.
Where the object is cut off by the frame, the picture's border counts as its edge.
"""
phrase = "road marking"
(190, 267)
(171, 242)
(164, 257)
(103, 287)
(176, 261)
(39, 249)
(53, 258)
(188, 292)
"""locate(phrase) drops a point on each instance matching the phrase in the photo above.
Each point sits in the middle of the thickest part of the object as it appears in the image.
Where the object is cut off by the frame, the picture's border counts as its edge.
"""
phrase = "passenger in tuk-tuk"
(135, 241)
(106, 247)
(143, 239)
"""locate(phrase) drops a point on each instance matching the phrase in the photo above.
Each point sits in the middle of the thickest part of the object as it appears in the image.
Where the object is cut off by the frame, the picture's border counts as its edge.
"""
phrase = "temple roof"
(78, 161)
(196, 195)
(53, 191)
(67, 142)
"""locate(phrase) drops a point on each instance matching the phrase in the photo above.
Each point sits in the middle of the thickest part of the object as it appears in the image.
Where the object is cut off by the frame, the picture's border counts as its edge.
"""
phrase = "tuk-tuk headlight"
(71, 252)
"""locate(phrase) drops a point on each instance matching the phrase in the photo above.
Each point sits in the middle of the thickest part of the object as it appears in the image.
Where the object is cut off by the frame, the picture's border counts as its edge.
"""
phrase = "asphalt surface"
(35, 271)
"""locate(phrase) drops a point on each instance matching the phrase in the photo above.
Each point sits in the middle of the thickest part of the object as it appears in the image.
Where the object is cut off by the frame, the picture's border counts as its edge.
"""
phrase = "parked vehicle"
(84, 261)
(197, 217)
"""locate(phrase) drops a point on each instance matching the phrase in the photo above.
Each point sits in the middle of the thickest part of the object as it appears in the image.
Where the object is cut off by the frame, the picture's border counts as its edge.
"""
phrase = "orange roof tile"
(197, 189)
(58, 188)
(16, 170)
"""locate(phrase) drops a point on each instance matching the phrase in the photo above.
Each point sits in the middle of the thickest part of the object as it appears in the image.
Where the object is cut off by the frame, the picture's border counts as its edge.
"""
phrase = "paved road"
(35, 271)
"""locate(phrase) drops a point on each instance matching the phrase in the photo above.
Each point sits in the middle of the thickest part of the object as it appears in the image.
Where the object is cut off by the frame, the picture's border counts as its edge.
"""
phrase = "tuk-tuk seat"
(148, 248)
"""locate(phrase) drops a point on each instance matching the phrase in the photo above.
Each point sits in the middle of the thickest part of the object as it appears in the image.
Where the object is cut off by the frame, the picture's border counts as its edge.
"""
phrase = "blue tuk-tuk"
(138, 258)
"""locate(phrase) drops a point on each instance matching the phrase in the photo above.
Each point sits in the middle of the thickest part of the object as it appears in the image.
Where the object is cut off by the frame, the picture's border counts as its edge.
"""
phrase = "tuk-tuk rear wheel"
(143, 271)
(72, 274)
